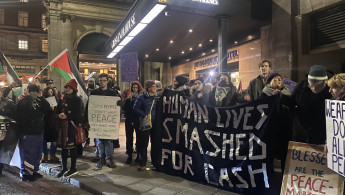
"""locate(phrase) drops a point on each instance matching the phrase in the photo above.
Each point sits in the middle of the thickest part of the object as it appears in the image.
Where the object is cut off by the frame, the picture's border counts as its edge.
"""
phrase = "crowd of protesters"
(301, 115)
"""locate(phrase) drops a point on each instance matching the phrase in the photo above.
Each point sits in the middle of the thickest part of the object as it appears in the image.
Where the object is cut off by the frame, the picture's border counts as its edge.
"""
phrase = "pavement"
(125, 179)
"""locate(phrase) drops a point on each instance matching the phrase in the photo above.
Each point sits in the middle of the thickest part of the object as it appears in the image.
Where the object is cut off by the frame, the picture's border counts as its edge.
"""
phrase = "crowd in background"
(301, 115)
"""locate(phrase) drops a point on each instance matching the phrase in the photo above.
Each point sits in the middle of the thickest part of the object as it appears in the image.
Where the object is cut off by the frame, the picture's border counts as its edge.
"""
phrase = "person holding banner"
(68, 112)
(199, 94)
(132, 120)
(224, 93)
(31, 129)
(145, 108)
(308, 105)
(8, 136)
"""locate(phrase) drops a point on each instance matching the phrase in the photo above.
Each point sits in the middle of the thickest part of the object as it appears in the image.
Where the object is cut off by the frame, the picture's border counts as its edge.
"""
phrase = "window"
(21, 70)
(23, 19)
(44, 24)
(23, 42)
(45, 45)
(25, 1)
(2, 16)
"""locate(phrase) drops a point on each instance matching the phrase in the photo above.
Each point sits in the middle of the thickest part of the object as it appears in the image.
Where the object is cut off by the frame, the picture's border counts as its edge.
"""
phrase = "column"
(222, 42)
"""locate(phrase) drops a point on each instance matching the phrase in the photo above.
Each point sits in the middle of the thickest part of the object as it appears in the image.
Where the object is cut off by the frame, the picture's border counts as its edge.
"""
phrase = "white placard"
(335, 125)
(52, 101)
(104, 117)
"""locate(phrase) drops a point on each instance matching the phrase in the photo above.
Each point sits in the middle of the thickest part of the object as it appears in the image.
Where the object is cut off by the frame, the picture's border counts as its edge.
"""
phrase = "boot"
(54, 159)
(44, 159)
(110, 163)
(100, 164)
(64, 154)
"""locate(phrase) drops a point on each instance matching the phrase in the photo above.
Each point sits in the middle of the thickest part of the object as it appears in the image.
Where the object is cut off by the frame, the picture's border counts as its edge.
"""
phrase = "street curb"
(89, 184)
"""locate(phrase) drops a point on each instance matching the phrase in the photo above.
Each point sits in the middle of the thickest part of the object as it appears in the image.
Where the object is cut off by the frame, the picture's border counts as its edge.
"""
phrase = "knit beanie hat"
(92, 79)
(149, 83)
(181, 80)
(72, 83)
(317, 72)
(271, 76)
(33, 88)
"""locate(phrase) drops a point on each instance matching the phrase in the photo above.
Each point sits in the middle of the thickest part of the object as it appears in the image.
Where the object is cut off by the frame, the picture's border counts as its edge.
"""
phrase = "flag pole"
(41, 71)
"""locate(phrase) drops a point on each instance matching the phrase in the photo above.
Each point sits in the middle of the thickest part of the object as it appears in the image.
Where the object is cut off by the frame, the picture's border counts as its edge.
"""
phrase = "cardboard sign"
(335, 126)
(306, 172)
(52, 101)
(104, 117)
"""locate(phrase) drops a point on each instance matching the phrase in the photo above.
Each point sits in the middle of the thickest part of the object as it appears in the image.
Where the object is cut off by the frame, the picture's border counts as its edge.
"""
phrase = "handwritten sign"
(306, 172)
(335, 125)
(52, 101)
(129, 67)
(104, 117)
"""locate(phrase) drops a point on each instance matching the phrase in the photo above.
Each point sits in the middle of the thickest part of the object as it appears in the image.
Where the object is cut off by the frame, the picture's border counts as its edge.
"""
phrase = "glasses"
(103, 80)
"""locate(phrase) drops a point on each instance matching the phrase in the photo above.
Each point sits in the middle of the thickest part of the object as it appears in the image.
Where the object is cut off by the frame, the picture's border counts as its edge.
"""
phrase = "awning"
(184, 30)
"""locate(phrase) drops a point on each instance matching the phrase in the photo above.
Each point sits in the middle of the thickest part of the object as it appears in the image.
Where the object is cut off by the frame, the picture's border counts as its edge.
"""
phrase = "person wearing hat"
(68, 112)
(199, 94)
(144, 106)
(308, 106)
(275, 85)
(31, 129)
(257, 85)
(105, 146)
(8, 141)
(179, 84)
(49, 83)
(224, 93)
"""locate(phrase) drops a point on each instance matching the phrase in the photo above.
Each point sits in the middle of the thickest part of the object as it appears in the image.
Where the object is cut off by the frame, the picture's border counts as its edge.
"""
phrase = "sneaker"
(70, 173)
(44, 159)
(129, 160)
(100, 164)
(54, 159)
(61, 173)
(27, 178)
(37, 175)
(111, 164)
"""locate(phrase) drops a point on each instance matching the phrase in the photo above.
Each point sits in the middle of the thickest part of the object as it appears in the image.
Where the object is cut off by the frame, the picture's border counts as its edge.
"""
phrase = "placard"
(306, 172)
(104, 117)
(335, 126)
(52, 101)
(129, 67)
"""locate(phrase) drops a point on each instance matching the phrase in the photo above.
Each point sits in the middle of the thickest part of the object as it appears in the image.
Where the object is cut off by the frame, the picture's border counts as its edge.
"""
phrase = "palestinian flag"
(6, 68)
(65, 67)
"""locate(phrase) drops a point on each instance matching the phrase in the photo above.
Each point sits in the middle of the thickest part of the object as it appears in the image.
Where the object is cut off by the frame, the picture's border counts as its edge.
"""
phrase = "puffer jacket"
(143, 103)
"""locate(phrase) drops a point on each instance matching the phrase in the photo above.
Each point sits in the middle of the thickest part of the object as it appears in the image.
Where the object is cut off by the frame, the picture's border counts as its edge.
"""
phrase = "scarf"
(220, 94)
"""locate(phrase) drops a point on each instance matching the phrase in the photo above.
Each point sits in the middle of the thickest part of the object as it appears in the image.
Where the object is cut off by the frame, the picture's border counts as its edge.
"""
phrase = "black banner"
(231, 148)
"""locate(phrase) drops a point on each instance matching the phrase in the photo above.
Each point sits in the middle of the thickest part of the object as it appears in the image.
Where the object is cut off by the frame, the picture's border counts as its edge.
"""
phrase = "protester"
(91, 85)
(31, 110)
(224, 93)
(179, 84)
(257, 85)
(275, 86)
(159, 87)
(105, 146)
(199, 94)
(9, 141)
(145, 108)
(50, 131)
(132, 120)
(69, 112)
(308, 101)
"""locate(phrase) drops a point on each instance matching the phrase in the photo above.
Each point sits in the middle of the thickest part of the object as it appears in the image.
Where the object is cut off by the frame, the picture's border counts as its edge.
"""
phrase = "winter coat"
(130, 115)
(309, 114)
(143, 103)
(72, 106)
(30, 115)
(255, 88)
(231, 98)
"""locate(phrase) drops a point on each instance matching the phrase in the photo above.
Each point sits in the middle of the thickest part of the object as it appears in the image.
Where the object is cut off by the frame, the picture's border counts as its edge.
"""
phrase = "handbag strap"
(153, 102)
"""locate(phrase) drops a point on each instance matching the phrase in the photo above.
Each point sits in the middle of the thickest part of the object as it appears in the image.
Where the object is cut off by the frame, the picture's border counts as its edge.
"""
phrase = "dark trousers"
(64, 156)
(30, 150)
(130, 128)
(143, 142)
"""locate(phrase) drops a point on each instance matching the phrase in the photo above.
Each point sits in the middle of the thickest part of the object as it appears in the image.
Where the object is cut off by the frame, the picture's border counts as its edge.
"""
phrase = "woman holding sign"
(145, 108)
(69, 112)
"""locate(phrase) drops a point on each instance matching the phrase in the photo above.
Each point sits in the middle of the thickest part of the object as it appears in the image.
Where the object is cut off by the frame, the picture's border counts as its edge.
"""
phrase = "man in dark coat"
(105, 146)
(31, 129)
(308, 100)
(257, 85)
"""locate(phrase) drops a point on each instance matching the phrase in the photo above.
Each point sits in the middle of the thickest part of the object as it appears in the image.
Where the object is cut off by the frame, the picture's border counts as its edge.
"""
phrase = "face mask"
(91, 85)
(222, 83)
